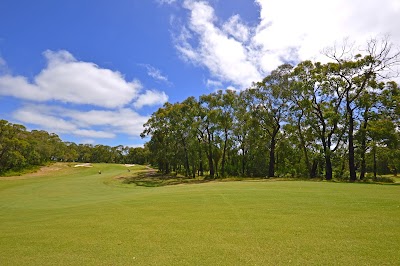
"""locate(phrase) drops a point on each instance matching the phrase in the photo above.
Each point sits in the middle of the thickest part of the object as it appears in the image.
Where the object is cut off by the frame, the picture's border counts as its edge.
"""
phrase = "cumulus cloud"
(287, 31)
(68, 80)
(90, 124)
(97, 100)
(225, 57)
(150, 97)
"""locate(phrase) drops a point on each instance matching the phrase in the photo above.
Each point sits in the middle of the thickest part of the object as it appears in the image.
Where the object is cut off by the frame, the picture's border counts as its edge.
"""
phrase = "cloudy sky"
(93, 71)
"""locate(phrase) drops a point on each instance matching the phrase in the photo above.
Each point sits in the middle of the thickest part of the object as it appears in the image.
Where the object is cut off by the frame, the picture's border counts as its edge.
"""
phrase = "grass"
(75, 216)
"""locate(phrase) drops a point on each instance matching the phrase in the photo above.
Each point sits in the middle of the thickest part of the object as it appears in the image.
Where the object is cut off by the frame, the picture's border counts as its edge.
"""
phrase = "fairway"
(75, 216)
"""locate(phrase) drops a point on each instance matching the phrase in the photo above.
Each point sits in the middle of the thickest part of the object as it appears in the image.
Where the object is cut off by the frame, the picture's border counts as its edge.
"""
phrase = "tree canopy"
(333, 120)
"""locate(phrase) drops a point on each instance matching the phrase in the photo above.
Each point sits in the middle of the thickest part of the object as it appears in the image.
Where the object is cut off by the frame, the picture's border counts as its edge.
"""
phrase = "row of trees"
(338, 119)
(20, 149)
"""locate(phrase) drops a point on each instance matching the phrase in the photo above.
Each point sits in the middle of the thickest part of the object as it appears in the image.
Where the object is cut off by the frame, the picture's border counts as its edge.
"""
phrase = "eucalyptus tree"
(241, 127)
(173, 131)
(270, 105)
(355, 75)
(319, 99)
(162, 143)
(384, 140)
(220, 108)
(194, 116)
(383, 132)
(368, 105)
(182, 126)
(300, 120)
(209, 130)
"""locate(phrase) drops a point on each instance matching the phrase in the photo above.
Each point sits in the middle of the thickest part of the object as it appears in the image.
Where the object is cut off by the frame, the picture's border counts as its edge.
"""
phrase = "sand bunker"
(84, 165)
(129, 165)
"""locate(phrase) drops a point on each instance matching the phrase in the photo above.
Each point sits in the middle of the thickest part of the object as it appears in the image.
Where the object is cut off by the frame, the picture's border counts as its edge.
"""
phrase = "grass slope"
(74, 216)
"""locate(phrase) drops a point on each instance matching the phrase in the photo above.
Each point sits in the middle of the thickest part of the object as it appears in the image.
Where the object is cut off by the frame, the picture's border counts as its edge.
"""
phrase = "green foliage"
(21, 150)
(380, 179)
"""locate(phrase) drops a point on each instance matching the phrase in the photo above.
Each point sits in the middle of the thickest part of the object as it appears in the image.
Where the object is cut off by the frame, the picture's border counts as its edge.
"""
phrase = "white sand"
(84, 165)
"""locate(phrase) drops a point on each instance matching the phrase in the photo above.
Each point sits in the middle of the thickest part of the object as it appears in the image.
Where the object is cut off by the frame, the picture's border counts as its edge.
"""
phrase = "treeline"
(333, 120)
(21, 149)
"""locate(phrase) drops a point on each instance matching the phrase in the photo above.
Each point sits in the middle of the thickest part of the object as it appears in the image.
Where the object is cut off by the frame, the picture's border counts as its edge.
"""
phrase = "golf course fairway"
(76, 216)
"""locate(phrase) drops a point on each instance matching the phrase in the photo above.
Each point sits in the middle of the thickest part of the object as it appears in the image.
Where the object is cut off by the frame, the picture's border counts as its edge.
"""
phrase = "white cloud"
(288, 31)
(156, 74)
(150, 97)
(90, 124)
(136, 146)
(66, 80)
(225, 57)
(166, 1)
(69, 80)
(42, 116)
(214, 83)
(94, 134)
(235, 28)
(123, 120)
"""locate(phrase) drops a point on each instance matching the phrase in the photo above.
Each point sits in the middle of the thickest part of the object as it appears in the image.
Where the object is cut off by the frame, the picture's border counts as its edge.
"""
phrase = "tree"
(358, 74)
(270, 103)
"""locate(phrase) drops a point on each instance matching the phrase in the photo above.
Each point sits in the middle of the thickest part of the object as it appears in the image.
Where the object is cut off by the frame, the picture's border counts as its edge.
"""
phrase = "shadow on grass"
(155, 179)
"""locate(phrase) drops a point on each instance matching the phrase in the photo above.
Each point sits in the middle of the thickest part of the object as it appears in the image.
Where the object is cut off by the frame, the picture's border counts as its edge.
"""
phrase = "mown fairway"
(74, 216)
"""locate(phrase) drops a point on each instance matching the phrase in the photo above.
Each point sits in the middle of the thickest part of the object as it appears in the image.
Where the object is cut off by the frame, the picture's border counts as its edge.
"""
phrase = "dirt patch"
(45, 170)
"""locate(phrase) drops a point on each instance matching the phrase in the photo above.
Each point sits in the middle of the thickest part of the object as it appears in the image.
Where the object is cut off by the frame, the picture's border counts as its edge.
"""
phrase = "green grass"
(75, 216)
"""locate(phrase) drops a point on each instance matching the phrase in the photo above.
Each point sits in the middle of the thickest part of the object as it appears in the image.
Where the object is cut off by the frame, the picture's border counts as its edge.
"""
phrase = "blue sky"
(93, 71)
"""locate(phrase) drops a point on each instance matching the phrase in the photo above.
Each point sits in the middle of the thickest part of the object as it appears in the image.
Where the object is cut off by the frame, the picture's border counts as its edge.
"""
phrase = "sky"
(93, 71)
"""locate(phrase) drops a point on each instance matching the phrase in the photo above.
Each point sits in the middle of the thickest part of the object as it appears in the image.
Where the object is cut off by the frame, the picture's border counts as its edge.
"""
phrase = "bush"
(379, 179)
(382, 179)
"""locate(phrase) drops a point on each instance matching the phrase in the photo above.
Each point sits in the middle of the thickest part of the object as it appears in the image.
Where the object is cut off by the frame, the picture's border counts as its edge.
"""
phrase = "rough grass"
(76, 216)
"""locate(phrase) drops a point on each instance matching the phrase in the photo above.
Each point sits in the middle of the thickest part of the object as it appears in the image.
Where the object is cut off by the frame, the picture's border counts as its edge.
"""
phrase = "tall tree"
(356, 75)
(270, 106)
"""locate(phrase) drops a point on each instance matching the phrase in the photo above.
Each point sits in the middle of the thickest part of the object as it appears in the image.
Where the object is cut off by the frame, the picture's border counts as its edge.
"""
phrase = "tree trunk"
(374, 154)
(363, 169)
(271, 168)
(303, 145)
(211, 165)
(313, 172)
(167, 168)
(210, 155)
(224, 154)
(187, 170)
(327, 156)
(328, 166)
(243, 161)
(201, 170)
(194, 170)
(352, 167)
